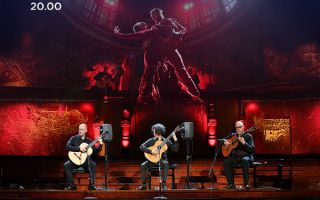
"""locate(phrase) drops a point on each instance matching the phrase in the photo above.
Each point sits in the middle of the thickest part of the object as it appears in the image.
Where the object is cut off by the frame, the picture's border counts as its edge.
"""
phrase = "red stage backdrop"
(41, 128)
(171, 116)
(285, 127)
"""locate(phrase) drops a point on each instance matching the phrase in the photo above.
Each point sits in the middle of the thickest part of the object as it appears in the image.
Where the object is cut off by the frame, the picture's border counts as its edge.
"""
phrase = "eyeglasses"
(239, 126)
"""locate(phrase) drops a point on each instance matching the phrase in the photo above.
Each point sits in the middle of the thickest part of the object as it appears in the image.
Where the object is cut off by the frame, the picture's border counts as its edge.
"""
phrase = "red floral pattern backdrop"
(41, 128)
(303, 117)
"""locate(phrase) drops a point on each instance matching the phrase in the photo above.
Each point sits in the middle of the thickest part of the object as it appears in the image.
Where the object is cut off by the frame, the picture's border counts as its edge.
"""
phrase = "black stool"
(80, 170)
(154, 171)
(253, 165)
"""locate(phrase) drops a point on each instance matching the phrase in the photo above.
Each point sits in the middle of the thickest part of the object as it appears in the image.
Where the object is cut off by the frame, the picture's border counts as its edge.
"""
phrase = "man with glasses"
(242, 154)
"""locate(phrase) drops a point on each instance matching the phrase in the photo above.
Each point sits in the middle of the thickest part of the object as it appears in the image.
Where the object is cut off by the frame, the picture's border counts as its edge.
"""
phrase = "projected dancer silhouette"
(171, 52)
(155, 64)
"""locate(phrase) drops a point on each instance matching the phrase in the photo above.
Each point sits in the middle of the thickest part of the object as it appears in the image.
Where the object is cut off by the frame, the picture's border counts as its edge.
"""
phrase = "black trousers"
(145, 166)
(230, 162)
(69, 166)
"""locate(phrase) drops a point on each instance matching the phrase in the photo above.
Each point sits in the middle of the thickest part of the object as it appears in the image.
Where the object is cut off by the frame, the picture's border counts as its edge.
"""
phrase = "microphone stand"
(213, 162)
(160, 176)
(91, 180)
(189, 143)
(105, 166)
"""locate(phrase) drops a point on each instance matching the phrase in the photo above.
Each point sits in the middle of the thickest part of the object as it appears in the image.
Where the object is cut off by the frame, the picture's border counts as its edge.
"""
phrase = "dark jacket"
(75, 141)
(243, 150)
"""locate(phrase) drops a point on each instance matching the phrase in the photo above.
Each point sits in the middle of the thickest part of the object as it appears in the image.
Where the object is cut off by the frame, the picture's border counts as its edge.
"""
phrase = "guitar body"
(79, 158)
(227, 149)
(156, 158)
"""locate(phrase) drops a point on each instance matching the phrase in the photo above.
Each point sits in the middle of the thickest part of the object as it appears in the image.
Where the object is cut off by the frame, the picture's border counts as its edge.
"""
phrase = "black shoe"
(230, 187)
(92, 187)
(71, 187)
(142, 187)
(247, 187)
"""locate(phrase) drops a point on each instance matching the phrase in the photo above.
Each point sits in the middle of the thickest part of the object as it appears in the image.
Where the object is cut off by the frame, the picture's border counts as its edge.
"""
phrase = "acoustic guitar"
(162, 146)
(227, 149)
(79, 158)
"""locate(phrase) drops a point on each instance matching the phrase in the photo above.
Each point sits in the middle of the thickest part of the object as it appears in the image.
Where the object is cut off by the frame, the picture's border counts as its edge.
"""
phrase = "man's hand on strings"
(83, 148)
(155, 151)
(174, 137)
(100, 141)
(241, 139)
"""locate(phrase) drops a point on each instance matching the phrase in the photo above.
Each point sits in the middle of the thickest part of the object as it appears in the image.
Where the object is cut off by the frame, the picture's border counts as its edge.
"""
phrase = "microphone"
(221, 140)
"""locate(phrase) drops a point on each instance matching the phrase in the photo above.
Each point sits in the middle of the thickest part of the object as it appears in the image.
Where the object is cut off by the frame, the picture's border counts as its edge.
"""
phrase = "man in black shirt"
(158, 131)
(242, 154)
(74, 145)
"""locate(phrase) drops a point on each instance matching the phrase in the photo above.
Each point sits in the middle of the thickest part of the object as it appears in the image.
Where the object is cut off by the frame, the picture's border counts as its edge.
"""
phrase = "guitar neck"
(94, 141)
(253, 128)
(166, 140)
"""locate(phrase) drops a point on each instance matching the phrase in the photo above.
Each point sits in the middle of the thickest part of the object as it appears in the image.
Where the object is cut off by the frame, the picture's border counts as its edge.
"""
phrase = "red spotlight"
(125, 143)
(212, 142)
(212, 123)
(125, 125)
(252, 108)
(105, 99)
(87, 108)
(126, 114)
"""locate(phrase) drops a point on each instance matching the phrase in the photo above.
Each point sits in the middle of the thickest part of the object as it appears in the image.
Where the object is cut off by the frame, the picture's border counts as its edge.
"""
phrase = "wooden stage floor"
(43, 178)
(255, 193)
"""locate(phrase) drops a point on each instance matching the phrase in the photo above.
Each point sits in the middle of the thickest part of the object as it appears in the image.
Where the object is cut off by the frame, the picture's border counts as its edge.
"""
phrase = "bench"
(278, 180)
(154, 171)
(283, 177)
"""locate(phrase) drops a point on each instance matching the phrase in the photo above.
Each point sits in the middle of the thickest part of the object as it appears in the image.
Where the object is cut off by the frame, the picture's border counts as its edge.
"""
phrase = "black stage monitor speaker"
(187, 132)
(107, 130)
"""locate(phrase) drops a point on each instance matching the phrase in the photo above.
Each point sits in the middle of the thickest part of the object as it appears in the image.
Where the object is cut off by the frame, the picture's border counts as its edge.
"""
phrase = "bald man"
(242, 154)
(74, 145)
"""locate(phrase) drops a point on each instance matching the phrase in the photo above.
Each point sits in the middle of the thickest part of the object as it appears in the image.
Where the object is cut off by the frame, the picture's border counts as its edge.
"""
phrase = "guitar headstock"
(251, 129)
(101, 136)
(178, 128)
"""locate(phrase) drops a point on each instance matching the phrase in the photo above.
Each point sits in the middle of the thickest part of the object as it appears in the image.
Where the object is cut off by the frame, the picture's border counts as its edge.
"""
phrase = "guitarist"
(73, 145)
(158, 131)
(242, 154)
